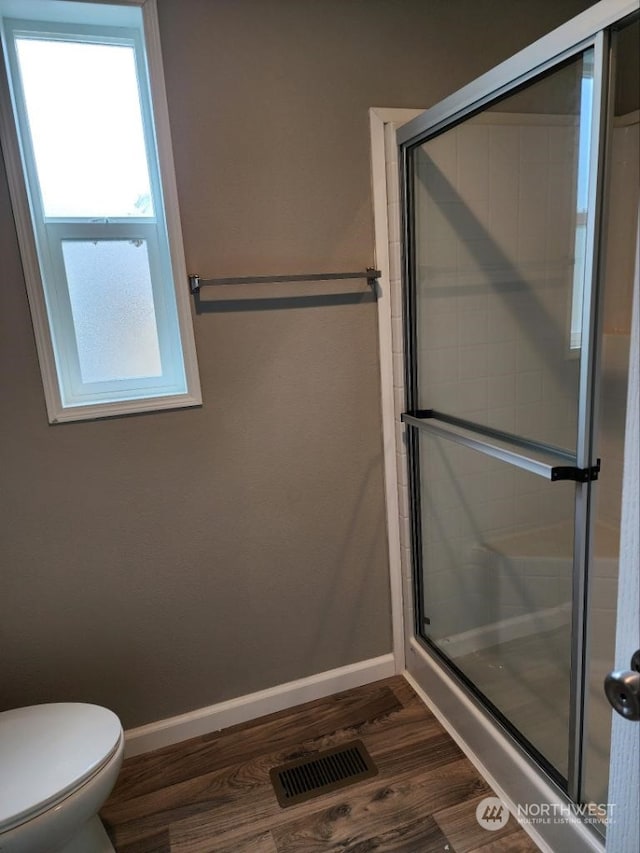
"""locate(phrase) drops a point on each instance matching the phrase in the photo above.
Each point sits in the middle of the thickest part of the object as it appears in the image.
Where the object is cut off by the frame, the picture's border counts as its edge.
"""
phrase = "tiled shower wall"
(496, 203)
(394, 216)
(494, 207)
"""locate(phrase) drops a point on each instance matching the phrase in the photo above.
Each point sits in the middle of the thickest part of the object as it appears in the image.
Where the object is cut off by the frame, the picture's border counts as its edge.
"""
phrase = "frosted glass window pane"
(86, 128)
(112, 306)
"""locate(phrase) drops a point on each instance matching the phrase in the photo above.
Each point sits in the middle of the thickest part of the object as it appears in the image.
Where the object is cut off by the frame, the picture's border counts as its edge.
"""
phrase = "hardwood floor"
(212, 794)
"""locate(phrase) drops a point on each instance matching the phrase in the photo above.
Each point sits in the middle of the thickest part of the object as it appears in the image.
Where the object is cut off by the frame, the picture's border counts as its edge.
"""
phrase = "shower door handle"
(562, 464)
(623, 690)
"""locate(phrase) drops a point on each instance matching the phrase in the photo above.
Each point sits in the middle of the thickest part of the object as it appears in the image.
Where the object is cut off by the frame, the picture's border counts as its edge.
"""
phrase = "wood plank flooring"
(212, 794)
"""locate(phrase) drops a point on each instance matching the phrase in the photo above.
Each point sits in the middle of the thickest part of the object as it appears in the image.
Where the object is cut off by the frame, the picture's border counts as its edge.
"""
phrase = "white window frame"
(135, 23)
(580, 240)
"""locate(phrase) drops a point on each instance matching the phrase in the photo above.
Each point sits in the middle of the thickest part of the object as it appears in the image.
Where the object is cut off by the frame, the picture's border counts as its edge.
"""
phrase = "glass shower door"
(498, 328)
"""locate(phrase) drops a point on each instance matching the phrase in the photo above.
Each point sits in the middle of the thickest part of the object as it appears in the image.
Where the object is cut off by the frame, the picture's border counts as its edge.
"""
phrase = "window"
(84, 120)
(580, 246)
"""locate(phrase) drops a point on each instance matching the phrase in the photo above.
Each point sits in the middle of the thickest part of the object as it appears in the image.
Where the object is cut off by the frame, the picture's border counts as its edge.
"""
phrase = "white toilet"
(58, 764)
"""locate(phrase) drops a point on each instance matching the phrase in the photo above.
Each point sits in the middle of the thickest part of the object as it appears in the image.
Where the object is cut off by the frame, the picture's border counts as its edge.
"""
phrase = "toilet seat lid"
(47, 751)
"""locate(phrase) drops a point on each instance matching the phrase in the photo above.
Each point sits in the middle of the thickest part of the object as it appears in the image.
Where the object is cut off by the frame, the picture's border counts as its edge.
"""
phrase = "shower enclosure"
(520, 204)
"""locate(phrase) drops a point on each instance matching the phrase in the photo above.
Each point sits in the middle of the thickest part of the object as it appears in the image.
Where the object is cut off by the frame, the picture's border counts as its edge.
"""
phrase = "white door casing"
(623, 833)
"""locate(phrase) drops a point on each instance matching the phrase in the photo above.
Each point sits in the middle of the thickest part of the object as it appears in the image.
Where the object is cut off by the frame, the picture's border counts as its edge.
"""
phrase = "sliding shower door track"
(518, 774)
(501, 720)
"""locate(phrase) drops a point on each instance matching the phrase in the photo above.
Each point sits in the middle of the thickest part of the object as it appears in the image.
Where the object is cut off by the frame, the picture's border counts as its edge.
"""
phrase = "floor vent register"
(328, 770)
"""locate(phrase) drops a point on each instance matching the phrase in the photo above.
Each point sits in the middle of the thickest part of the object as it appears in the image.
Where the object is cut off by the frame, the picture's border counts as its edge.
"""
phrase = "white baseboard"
(253, 705)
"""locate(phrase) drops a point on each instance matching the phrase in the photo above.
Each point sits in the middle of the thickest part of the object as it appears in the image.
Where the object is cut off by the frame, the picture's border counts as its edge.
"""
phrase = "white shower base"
(531, 571)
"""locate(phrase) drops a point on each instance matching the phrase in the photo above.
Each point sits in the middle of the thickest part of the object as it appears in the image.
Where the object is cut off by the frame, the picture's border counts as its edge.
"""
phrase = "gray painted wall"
(164, 562)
